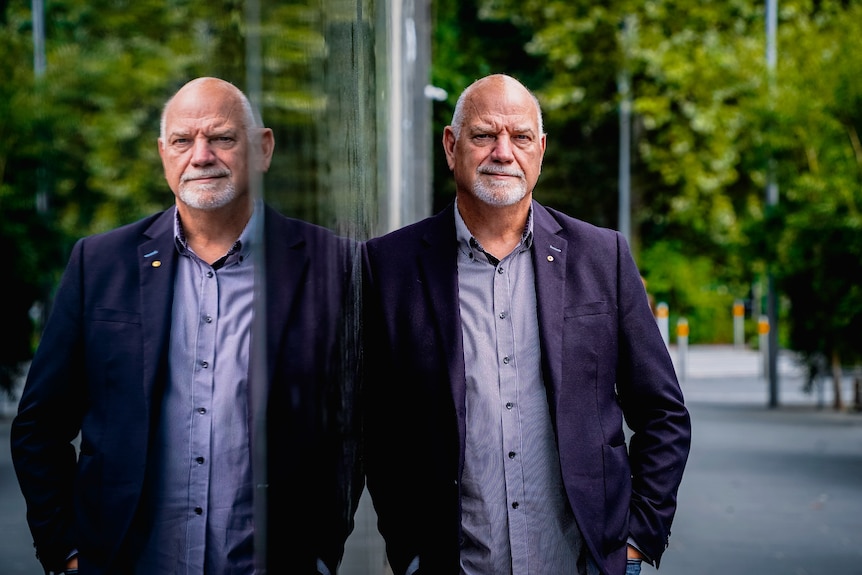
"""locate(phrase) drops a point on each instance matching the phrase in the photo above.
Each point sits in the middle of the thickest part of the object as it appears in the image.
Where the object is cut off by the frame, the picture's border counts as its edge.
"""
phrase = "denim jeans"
(633, 567)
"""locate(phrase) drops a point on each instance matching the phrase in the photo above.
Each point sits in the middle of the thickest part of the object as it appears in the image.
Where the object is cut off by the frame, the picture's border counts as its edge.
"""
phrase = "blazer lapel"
(438, 266)
(550, 254)
(157, 260)
(287, 265)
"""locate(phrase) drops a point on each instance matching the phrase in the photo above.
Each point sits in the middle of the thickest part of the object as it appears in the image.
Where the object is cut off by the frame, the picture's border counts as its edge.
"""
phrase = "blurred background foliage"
(78, 143)
(708, 121)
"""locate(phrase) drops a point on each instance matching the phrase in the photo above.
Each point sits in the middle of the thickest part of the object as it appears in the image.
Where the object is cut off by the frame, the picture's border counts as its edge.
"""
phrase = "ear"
(449, 146)
(161, 144)
(266, 142)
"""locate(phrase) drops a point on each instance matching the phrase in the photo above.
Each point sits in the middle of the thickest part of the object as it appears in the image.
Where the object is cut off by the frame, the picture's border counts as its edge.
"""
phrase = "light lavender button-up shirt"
(201, 482)
(515, 516)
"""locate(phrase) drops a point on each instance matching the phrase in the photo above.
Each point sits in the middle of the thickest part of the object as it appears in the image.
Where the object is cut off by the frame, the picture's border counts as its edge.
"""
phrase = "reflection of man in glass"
(146, 355)
(506, 344)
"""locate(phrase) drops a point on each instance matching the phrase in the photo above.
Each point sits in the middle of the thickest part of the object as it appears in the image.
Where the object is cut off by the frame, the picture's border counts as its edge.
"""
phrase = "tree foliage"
(711, 125)
(78, 142)
(710, 122)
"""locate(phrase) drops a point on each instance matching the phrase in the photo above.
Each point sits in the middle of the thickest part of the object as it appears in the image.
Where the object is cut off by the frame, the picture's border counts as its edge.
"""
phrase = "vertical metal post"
(38, 8)
(771, 201)
(624, 87)
(39, 65)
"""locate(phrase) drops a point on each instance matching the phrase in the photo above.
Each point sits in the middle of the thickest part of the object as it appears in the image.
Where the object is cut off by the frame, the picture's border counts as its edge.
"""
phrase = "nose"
(502, 151)
(202, 153)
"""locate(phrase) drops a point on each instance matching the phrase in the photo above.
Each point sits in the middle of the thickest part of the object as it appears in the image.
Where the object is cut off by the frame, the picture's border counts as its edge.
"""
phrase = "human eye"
(223, 140)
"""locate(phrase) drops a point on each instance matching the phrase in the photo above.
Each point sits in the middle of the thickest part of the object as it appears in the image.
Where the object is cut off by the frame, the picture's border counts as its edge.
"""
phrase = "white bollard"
(738, 324)
(661, 317)
(682, 347)
(763, 335)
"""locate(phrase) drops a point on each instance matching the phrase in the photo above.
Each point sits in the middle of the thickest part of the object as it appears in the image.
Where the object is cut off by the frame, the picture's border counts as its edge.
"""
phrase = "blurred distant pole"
(38, 38)
(624, 87)
(771, 201)
(39, 63)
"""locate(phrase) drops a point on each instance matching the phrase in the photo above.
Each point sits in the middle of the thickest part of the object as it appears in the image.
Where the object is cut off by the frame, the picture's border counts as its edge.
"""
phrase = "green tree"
(709, 122)
(79, 155)
(811, 125)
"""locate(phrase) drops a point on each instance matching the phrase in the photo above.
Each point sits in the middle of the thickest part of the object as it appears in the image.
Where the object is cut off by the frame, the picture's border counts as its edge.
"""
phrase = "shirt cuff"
(647, 558)
(413, 567)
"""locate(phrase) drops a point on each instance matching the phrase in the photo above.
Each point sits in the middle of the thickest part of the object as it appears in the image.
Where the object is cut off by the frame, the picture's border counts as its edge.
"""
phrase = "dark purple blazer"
(603, 362)
(102, 363)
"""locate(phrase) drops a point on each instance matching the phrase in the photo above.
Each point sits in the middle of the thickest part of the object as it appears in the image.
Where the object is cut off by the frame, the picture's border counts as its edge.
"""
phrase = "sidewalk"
(726, 374)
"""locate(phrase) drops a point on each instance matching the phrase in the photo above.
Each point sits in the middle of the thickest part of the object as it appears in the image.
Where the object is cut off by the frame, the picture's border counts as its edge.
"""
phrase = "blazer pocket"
(116, 316)
(585, 309)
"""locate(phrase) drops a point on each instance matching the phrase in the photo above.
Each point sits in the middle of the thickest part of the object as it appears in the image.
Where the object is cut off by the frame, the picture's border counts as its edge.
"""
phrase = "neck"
(211, 233)
(497, 228)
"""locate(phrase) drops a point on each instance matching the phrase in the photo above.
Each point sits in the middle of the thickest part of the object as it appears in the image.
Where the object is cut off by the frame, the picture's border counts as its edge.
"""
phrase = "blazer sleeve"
(654, 409)
(48, 420)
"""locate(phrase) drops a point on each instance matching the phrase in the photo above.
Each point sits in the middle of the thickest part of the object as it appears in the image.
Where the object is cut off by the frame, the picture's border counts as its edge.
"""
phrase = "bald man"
(146, 358)
(505, 344)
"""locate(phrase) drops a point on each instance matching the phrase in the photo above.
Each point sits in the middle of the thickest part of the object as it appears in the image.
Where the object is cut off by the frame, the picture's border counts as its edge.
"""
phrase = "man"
(147, 356)
(506, 343)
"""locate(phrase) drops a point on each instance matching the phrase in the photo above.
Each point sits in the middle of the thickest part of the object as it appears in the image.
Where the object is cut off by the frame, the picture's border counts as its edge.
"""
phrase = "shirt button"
(509, 405)
(198, 511)
(210, 274)
(208, 318)
(511, 455)
(502, 315)
(202, 410)
(200, 460)
(515, 505)
(205, 364)
(506, 360)
(499, 270)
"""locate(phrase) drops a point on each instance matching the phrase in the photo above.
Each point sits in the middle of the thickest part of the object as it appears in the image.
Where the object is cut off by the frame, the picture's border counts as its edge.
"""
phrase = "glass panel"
(318, 71)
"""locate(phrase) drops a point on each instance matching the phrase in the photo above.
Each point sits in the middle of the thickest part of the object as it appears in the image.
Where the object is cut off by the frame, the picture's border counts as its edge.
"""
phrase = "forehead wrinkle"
(206, 121)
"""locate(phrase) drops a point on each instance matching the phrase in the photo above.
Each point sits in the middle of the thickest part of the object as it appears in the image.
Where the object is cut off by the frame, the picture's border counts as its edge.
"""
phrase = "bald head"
(209, 89)
(495, 83)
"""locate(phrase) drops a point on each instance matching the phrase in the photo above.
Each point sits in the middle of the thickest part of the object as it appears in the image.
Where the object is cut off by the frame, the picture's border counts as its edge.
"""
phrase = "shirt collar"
(240, 249)
(467, 243)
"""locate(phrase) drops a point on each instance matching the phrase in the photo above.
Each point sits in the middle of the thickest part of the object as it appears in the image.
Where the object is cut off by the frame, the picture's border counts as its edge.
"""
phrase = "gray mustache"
(204, 174)
(500, 171)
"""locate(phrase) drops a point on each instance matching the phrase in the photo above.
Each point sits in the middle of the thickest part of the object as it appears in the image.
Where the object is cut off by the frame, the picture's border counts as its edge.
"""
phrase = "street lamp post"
(771, 201)
(624, 88)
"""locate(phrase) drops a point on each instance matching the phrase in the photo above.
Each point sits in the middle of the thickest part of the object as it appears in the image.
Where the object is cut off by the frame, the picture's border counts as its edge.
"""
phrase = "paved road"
(768, 491)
